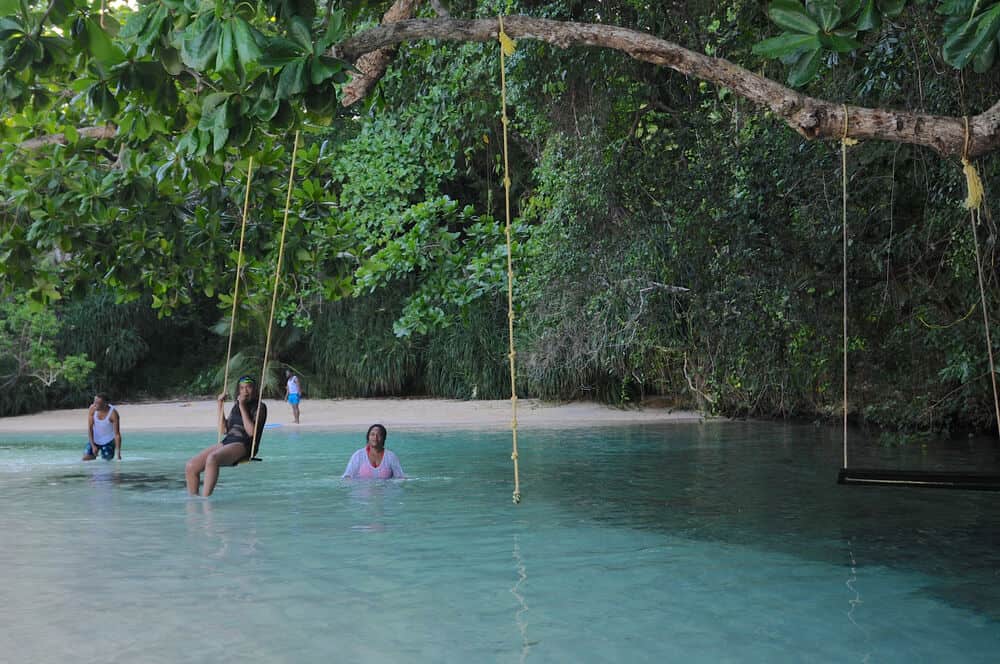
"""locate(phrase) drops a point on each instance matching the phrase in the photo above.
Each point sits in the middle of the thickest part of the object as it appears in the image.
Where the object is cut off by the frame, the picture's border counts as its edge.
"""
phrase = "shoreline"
(358, 414)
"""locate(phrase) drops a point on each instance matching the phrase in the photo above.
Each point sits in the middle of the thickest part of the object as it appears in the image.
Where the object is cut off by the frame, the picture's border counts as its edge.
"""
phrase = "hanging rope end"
(974, 186)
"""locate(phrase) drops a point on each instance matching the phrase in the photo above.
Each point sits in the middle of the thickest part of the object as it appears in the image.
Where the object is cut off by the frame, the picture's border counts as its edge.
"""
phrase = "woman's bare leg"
(195, 465)
(226, 456)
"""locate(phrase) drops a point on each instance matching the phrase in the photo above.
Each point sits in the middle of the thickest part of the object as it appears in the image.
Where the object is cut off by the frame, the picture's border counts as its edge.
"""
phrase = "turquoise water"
(718, 542)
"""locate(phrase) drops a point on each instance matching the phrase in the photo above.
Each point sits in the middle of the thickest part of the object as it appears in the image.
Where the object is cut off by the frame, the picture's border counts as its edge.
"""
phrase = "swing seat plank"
(918, 479)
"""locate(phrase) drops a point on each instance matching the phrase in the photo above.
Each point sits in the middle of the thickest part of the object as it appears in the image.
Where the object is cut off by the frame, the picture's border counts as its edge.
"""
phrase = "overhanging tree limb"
(107, 131)
(811, 117)
(371, 66)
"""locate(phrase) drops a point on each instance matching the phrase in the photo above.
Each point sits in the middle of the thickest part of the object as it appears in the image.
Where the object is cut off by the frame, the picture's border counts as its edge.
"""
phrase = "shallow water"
(718, 542)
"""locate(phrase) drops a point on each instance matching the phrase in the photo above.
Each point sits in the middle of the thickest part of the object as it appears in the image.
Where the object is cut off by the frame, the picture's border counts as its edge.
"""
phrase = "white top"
(293, 385)
(360, 468)
(104, 430)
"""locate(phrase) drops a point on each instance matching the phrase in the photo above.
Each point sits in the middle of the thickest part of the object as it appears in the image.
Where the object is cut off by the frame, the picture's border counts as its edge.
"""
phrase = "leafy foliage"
(667, 239)
(28, 349)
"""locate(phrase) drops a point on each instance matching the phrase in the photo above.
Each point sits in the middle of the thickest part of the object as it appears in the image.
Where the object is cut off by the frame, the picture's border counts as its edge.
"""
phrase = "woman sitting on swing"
(237, 443)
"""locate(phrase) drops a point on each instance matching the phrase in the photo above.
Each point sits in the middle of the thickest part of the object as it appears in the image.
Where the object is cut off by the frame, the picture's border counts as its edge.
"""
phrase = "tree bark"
(108, 131)
(812, 118)
(371, 66)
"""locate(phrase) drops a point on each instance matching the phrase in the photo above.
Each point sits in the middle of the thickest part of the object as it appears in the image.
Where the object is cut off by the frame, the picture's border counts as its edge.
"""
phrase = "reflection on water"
(115, 475)
(693, 543)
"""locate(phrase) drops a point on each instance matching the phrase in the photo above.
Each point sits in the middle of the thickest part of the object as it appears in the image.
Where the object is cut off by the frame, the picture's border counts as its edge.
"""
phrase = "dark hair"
(385, 434)
(103, 396)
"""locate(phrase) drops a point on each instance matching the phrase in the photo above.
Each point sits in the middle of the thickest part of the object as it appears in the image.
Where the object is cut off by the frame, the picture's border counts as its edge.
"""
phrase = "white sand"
(358, 414)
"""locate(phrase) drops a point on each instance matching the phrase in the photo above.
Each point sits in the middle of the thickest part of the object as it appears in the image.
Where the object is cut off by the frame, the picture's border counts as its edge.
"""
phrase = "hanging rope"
(974, 203)
(507, 47)
(236, 285)
(274, 293)
(845, 142)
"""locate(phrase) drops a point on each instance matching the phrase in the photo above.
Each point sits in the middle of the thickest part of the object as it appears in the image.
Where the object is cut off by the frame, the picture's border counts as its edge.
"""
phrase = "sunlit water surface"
(718, 542)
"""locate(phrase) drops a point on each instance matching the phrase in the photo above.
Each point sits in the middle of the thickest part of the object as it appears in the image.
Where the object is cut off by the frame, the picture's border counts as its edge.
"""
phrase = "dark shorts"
(246, 450)
(293, 399)
(105, 451)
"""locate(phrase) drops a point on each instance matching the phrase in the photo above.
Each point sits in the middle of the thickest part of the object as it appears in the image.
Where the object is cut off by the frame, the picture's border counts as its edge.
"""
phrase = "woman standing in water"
(373, 461)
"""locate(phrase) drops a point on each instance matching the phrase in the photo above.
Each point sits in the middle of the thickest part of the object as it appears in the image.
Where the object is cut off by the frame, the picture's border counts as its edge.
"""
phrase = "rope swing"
(919, 478)
(845, 142)
(507, 47)
(974, 203)
(274, 292)
(274, 295)
(236, 284)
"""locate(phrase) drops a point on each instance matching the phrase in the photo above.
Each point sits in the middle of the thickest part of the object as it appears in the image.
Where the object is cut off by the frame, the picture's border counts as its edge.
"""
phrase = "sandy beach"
(358, 414)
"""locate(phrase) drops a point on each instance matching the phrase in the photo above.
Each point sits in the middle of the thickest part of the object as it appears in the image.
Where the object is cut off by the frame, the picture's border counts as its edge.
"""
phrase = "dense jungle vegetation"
(671, 239)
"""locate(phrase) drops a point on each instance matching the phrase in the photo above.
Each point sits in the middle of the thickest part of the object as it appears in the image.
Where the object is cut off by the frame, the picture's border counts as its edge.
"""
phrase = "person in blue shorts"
(237, 438)
(293, 392)
(103, 431)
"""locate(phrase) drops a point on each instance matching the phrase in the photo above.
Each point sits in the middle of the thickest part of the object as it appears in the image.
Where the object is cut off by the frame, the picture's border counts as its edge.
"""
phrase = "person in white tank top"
(103, 431)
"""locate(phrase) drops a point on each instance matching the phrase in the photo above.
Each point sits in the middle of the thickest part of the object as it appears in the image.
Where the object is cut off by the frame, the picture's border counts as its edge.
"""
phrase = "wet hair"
(103, 396)
(385, 434)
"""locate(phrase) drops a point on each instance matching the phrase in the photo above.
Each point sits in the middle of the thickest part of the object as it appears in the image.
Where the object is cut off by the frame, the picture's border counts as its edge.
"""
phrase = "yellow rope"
(274, 293)
(934, 326)
(974, 202)
(845, 142)
(507, 46)
(236, 285)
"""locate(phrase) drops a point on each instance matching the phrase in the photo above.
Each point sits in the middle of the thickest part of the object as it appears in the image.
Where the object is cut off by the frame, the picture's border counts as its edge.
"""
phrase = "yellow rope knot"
(513, 457)
(974, 185)
(507, 45)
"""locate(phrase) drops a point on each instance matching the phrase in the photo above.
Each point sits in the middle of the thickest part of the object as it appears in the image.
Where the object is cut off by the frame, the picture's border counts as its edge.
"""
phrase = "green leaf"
(9, 27)
(985, 58)
(322, 68)
(171, 61)
(200, 43)
(792, 16)
(786, 43)
(961, 8)
(805, 69)
(870, 18)
(292, 80)
(225, 59)
(280, 51)
(838, 43)
(220, 130)
(265, 109)
(334, 32)
(973, 35)
(99, 45)
(848, 8)
(826, 13)
(299, 31)
(246, 41)
(9, 7)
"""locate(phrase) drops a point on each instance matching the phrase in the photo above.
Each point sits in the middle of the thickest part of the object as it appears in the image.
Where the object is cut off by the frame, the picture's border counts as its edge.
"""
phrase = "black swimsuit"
(236, 433)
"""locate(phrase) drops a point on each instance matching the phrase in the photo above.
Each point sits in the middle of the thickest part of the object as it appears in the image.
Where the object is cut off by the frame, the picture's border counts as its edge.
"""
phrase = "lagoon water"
(715, 542)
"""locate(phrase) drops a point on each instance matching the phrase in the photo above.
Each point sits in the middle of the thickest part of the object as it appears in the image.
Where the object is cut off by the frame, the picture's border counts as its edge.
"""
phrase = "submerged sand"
(358, 414)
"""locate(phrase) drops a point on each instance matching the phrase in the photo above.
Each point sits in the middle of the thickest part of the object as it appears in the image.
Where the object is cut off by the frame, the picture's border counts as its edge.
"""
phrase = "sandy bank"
(355, 414)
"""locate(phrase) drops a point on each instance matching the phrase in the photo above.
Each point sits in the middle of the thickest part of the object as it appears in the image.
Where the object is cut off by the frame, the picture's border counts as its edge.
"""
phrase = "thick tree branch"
(107, 131)
(812, 118)
(371, 66)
